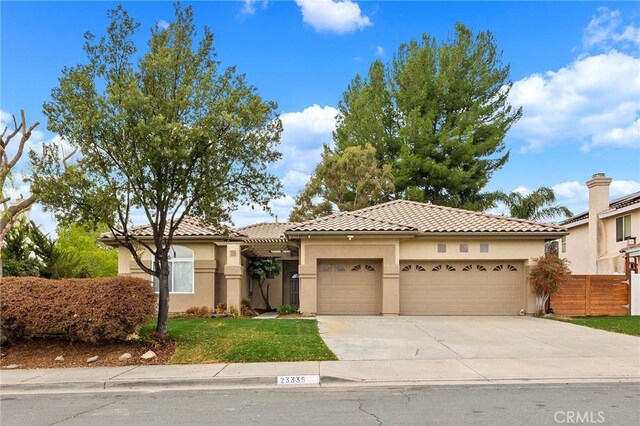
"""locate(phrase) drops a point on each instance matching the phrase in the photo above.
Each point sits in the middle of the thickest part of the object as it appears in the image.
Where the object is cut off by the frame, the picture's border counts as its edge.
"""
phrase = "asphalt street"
(601, 403)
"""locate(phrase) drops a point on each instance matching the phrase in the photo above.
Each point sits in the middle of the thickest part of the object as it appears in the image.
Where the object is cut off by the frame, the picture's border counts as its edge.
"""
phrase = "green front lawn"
(626, 325)
(205, 340)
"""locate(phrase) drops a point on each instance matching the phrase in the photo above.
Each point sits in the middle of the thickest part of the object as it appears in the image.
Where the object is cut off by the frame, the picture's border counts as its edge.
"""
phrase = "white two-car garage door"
(349, 287)
(462, 288)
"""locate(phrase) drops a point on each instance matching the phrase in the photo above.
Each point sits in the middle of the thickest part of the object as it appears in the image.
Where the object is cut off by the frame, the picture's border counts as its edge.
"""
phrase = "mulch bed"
(41, 353)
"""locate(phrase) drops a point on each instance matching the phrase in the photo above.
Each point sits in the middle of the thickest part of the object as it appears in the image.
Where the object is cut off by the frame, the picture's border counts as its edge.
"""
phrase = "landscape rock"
(59, 358)
(92, 359)
(12, 366)
(133, 337)
(148, 355)
(125, 356)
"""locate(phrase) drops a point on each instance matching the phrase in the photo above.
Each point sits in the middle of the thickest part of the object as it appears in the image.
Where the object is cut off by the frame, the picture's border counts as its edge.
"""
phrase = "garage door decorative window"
(498, 268)
(481, 268)
(467, 268)
(512, 268)
(363, 268)
(451, 268)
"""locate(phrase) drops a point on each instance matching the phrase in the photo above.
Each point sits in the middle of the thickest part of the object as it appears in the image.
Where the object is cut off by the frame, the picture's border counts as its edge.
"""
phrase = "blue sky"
(575, 68)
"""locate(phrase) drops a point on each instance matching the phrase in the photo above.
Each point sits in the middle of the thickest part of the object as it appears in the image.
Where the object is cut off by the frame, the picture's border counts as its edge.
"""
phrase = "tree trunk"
(265, 298)
(162, 266)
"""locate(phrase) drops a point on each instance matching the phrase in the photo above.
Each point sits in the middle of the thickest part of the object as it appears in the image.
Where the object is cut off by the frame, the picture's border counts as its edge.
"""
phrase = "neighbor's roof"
(619, 203)
(266, 232)
(407, 216)
(189, 227)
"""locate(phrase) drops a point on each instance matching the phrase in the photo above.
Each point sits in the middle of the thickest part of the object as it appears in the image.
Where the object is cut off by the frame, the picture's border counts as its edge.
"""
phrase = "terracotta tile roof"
(266, 232)
(402, 215)
(351, 221)
(618, 203)
(189, 227)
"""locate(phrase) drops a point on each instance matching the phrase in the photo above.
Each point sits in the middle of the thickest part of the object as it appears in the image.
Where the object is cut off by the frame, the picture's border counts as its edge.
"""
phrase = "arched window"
(180, 270)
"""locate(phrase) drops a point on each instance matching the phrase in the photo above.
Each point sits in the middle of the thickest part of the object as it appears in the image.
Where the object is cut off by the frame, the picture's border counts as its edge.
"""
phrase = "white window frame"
(623, 220)
(173, 260)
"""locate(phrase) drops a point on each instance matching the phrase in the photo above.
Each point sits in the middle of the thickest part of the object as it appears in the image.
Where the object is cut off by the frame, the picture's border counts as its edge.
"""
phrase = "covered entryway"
(462, 288)
(349, 287)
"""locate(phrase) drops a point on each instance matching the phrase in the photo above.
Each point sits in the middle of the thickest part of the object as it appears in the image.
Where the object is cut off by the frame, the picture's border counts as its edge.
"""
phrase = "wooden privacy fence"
(592, 295)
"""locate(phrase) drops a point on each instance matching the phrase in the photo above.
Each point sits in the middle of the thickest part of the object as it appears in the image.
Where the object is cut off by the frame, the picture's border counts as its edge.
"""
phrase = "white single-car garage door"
(462, 288)
(349, 287)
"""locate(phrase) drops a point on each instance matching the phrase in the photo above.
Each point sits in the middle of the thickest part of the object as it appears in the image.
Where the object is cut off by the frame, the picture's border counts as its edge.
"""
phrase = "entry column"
(233, 275)
(390, 289)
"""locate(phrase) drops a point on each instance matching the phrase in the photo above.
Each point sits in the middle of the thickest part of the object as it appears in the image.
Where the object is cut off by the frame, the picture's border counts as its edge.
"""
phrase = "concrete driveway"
(490, 347)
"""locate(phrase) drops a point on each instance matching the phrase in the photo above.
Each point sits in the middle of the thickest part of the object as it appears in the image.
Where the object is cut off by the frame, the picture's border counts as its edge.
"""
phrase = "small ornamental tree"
(548, 272)
(262, 269)
(161, 134)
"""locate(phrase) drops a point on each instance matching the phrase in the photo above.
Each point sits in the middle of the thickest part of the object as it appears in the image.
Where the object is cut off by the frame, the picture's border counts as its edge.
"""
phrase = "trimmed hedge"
(86, 310)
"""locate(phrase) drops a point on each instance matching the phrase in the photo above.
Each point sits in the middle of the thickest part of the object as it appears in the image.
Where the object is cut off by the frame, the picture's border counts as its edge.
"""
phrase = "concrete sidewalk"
(332, 373)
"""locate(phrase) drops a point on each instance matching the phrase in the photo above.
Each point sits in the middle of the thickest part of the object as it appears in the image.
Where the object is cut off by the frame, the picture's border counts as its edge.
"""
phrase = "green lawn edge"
(243, 340)
(629, 325)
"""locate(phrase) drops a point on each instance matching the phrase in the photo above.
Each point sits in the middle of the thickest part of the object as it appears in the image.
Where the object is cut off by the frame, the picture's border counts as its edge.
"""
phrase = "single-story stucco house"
(396, 258)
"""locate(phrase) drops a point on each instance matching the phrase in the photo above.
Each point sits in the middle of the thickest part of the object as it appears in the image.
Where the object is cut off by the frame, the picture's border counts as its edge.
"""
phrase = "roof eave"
(534, 234)
(300, 234)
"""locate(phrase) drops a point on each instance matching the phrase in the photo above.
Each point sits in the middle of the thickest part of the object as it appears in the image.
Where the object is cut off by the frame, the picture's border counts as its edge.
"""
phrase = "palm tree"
(537, 205)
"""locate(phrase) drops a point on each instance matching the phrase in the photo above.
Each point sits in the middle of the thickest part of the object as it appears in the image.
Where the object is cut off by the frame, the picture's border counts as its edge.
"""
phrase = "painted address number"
(298, 380)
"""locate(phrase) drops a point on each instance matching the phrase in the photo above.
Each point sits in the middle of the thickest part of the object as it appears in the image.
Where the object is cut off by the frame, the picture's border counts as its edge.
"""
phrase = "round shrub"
(86, 310)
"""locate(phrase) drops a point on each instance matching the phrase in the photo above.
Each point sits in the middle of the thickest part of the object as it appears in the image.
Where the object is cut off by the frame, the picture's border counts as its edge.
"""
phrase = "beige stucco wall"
(426, 248)
(393, 250)
(608, 259)
(577, 249)
(385, 249)
(275, 293)
(205, 268)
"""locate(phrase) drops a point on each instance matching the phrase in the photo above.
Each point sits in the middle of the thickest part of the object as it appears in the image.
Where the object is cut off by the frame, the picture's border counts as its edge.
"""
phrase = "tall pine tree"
(437, 115)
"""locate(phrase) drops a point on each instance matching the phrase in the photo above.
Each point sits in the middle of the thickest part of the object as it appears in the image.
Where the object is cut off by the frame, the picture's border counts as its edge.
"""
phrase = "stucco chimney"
(598, 202)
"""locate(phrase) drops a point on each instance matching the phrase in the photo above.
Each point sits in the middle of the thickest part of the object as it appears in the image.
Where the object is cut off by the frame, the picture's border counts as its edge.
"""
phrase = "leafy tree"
(18, 252)
(262, 269)
(46, 251)
(437, 115)
(28, 251)
(163, 133)
(351, 180)
(82, 255)
(11, 210)
(537, 205)
(545, 276)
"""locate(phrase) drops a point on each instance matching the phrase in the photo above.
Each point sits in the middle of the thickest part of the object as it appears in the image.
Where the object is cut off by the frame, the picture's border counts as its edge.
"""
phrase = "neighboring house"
(400, 257)
(597, 235)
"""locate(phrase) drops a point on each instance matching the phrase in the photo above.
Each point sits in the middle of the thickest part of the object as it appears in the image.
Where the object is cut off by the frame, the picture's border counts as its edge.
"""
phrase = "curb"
(270, 382)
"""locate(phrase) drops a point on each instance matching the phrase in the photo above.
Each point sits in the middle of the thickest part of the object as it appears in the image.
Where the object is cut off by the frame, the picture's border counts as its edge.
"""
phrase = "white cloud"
(575, 195)
(247, 215)
(249, 7)
(338, 16)
(620, 188)
(302, 127)
(619, 136)
(295, 180)
(162, 24)
(522, 190)
(607, 30)
(594, 101)
(380, 51)
(572, 190)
